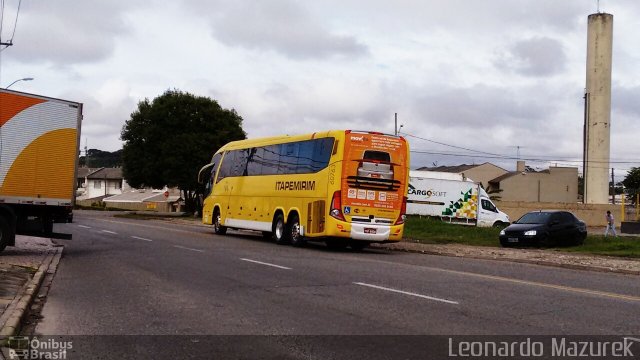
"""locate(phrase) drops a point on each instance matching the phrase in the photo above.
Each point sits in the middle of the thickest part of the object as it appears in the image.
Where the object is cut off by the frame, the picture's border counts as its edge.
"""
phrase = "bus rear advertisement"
(345, 187)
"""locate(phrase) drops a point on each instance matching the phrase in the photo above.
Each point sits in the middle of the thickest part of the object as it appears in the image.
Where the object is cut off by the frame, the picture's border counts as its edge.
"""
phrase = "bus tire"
(293, 231)
(278, 230)
(217, 228)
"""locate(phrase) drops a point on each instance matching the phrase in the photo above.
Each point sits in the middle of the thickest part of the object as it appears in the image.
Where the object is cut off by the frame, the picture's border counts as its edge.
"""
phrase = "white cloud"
(492, 74)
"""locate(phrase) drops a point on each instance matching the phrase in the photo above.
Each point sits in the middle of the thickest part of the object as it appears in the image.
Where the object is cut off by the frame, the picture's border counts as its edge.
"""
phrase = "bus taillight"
(336, 206)
(403, 212)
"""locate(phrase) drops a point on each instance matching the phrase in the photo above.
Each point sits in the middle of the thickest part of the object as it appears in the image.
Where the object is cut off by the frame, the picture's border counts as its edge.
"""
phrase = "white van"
(453, 199)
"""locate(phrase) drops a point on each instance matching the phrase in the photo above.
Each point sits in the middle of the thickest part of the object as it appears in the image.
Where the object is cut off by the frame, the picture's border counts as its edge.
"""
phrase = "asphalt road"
(136, 277)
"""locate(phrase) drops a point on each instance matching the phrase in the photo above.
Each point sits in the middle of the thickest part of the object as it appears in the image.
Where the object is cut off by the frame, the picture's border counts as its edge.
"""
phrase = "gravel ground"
(29, 251)
(535, 256)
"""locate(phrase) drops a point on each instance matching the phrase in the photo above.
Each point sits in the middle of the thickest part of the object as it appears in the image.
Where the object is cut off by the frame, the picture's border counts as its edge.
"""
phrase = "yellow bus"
(344, 187)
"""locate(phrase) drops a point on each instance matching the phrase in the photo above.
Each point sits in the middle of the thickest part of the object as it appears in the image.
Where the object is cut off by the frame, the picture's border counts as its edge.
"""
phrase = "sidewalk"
(22, 269)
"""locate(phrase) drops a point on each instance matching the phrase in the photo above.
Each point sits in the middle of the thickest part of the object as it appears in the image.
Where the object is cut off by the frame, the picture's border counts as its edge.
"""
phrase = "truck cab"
(488, 213)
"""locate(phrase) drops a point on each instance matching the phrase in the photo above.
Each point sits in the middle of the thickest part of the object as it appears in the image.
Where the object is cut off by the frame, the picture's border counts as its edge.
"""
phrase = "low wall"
(591, 214)
(137, 206)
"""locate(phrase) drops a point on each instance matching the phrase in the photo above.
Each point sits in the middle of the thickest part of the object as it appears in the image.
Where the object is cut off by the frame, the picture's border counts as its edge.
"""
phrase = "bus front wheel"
(217, 228)
(278, 230)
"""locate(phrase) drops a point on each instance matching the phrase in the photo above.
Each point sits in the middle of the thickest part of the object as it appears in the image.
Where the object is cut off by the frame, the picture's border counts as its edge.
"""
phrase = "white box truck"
(39, 142)
(452, 198)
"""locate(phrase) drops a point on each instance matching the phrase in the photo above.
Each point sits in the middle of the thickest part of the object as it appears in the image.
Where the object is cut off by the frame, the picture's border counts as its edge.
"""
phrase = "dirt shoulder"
(533, 256)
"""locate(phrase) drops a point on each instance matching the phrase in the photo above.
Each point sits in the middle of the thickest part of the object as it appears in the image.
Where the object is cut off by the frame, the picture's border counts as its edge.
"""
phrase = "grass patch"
(434, 231)
(622, 246)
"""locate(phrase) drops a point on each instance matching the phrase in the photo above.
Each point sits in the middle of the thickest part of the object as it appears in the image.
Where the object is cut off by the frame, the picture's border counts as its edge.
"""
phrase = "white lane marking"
(407, 293)
(187, 248)
(84, 226)
(141, 238)
(109, 232)
(267, 264)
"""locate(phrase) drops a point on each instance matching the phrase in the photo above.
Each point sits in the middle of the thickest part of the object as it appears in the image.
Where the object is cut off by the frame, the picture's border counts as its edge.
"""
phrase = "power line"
(489, 155)
(532, 159)
(15, 25)
(453, 146)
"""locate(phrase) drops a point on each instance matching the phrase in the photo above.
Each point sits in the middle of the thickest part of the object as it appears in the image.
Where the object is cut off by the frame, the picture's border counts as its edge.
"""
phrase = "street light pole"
(23, 79)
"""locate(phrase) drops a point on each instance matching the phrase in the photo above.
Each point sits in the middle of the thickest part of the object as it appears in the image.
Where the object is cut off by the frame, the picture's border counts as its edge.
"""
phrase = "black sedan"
(546, 228)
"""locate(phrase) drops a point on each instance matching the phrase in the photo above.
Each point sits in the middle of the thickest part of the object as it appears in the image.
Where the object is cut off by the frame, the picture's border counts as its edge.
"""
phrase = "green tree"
(97, 158)
(167, 140)
(631, 183)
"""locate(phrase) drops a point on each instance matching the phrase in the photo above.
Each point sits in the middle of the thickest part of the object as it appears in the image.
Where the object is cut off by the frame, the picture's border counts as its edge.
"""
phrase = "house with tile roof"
(481, 173)
(100, 182)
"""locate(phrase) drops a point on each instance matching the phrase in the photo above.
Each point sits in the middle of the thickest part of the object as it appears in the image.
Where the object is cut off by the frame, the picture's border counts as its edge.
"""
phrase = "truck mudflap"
(370, 232)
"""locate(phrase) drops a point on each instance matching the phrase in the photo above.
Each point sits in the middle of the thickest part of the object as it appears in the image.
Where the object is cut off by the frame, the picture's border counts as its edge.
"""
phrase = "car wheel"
(546, 240)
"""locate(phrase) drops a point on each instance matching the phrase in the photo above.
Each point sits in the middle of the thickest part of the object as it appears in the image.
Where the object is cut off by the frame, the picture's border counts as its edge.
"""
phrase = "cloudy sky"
(497, 77)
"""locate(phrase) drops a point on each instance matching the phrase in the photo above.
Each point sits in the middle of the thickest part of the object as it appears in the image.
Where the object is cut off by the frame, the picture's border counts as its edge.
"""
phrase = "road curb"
(508, 259)
(19, 308)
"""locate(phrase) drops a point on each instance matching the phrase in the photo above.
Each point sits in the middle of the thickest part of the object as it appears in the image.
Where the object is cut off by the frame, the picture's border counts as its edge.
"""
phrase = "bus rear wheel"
(217, 228)
(278, 230)
(293, 231)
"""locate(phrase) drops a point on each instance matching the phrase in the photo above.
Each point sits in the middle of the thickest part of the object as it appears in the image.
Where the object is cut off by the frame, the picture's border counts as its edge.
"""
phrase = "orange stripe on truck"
(11, 104)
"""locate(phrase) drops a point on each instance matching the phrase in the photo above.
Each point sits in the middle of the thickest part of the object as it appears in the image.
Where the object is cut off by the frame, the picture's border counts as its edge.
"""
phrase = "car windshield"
(376, 156)
(534, 218)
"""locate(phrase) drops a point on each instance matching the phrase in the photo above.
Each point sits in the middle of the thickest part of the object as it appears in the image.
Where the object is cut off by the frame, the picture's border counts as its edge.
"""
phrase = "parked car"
(547, 228)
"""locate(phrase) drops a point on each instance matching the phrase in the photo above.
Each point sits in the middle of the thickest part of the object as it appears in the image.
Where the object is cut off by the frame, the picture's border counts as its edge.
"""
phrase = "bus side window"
(256, 158)
(305, 157)
(209, 184)
(239, 166)
(288, 158)
(271, 160)
(225, 166)
(321, 153)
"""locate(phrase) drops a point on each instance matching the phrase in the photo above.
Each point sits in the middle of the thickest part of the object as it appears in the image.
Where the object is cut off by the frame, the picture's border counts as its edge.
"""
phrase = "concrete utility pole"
(396, 124)
(597, 127)
(613, 189)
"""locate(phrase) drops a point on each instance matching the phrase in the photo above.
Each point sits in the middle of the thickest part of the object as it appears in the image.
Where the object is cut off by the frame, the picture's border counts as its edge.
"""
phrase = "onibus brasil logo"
(25, 347)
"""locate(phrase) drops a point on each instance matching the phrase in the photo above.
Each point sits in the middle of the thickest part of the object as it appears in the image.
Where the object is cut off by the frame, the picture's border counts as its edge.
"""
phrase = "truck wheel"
(499, 225)
(217, 228)
(278, 230)
(293, 231)
(47, 225)
(5, 233)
